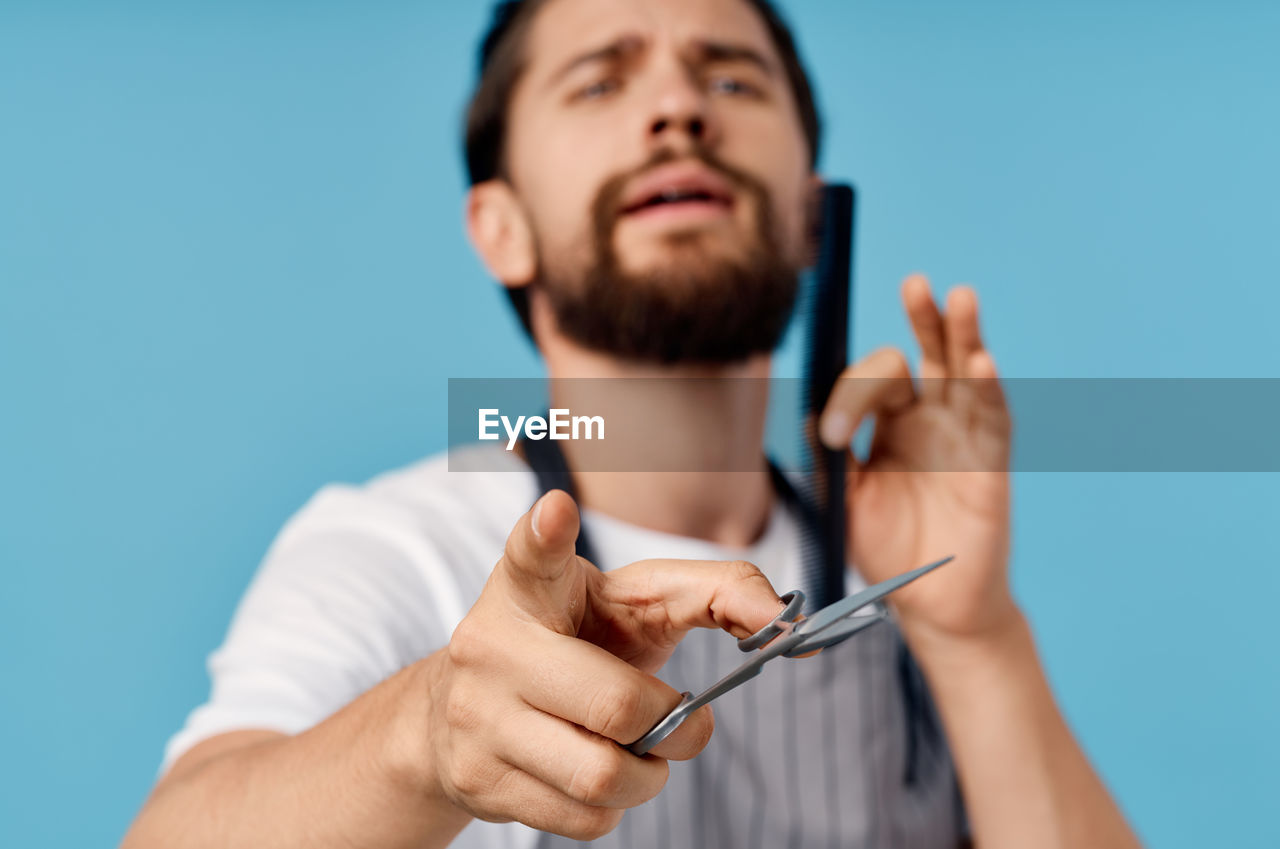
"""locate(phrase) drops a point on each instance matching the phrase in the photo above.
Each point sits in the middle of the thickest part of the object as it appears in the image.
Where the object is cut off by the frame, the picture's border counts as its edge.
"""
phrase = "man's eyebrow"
(722, 51)
(615, 50)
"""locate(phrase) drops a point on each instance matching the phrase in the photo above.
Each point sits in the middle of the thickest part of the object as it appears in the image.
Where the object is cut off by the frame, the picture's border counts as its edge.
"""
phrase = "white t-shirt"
(365, 580)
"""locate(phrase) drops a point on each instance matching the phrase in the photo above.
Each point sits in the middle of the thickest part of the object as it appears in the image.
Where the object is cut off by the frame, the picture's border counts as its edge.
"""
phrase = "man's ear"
(499, 229)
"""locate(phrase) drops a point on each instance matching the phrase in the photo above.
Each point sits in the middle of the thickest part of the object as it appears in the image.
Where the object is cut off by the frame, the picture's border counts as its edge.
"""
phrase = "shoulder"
(467, 492)
(445, 518)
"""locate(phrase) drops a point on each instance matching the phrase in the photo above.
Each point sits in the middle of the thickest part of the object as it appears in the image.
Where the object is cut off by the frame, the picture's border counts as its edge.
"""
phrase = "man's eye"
(732, 85)
(596, 90)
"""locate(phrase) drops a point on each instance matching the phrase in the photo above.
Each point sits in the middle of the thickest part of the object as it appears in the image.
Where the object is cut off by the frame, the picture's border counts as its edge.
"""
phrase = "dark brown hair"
(502, 61)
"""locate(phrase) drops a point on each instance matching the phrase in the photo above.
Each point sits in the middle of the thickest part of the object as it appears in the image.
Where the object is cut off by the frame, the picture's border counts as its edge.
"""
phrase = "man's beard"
(698, 309)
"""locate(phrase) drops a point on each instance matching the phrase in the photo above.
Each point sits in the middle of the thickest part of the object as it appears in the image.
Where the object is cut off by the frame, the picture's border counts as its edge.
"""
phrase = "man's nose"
(681, 113)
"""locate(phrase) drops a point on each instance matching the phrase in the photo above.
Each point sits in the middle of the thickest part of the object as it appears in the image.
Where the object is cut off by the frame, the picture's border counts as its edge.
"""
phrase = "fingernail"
(537, 511)
(834, 430)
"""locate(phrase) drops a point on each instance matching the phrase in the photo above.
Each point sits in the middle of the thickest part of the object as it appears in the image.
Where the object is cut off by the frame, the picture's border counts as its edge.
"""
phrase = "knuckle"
(584, 822)
(461, 711)
(892, 358)
(467, 644)
(614, 711)
(744, 570)
(468, 781)
(600, 778)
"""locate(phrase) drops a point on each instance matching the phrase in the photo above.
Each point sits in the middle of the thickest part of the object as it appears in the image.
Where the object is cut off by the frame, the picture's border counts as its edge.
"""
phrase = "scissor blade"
(831, 614)
(837, 633)
(745, 672)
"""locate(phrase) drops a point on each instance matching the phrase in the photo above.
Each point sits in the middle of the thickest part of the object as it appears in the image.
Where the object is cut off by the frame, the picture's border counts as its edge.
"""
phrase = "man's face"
(657, 149)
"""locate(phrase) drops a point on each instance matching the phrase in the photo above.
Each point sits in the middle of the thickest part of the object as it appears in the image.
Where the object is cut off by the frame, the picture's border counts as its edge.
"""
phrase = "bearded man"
(642, 182)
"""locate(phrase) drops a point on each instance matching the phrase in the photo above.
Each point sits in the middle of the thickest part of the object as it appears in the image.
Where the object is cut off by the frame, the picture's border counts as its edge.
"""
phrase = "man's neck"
(692, 461)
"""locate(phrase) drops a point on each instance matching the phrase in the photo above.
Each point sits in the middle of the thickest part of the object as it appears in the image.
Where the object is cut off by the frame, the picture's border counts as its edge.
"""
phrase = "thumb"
(540, 573)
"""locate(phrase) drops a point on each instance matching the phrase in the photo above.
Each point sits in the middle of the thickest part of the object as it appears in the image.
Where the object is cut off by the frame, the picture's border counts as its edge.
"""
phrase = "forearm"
(1026, 782)
(352, 781)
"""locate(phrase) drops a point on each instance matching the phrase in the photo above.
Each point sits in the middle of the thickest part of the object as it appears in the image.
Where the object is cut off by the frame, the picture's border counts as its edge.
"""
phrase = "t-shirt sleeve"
(346, 597)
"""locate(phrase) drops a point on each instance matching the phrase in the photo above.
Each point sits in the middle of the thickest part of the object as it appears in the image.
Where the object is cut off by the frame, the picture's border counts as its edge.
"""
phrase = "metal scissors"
(788, 635)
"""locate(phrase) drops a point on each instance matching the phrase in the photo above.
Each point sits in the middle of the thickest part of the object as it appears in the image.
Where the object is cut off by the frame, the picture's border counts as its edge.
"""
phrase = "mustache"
(606, 209)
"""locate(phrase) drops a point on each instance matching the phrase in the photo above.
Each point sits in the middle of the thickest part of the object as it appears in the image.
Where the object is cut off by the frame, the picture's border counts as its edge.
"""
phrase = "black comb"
(826, 356)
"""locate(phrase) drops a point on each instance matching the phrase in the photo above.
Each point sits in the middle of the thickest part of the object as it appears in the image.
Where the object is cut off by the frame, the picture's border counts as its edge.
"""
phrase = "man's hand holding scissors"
(553, 669)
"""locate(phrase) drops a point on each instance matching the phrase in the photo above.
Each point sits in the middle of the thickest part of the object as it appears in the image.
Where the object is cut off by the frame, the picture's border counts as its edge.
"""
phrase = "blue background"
(232, 269)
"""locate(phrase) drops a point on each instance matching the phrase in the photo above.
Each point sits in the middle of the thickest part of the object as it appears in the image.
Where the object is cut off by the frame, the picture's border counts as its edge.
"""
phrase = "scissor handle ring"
(663, 729)
(794, 602)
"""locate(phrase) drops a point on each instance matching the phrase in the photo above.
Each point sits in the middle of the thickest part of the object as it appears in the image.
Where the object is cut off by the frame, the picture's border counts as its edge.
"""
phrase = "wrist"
(408, 756)
(1000, 632)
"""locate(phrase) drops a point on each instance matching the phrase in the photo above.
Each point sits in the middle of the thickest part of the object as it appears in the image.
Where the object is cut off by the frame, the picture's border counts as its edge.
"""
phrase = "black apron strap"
(548, 464)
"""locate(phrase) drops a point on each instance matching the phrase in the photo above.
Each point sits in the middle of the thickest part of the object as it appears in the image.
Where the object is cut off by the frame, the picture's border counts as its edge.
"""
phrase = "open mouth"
(681, 198)
(684, 191)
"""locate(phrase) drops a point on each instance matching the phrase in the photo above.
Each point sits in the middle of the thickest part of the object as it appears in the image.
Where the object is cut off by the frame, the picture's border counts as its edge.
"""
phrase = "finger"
(539, 570)
(963, 337)
(991, 412)
(926, 323)
(852, 475)
(880, 383)
(982, 370)
(516, 795)
(589, 687)
(689, 738)
(664, 599)
(586, 767)
(963, 341)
